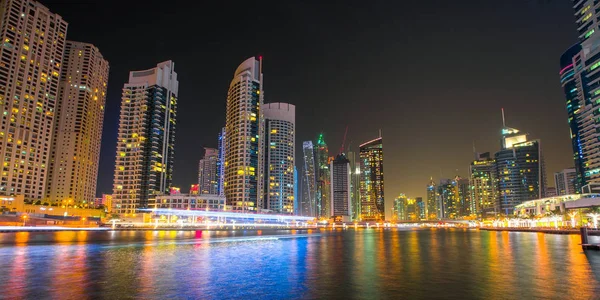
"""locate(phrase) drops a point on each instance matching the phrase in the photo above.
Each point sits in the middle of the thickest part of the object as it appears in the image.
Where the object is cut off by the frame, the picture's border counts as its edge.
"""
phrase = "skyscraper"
(400, 204)
(243, 134)
(420, 208)
(565, 182)
(341, 203)
(323, 176)
(431, 206)
(279, 154)
(579, 72)
(483, 180)
(371, 181)
(75, 154)
(448, 200)
(208, 176)
(354, 185)
(146, 138)
(309, 181)
(33, 41)
(463, 196)
(520, 170)
(221, 164)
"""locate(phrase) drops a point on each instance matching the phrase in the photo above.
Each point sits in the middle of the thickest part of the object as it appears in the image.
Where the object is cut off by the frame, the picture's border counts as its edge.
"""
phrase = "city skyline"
(414, 154)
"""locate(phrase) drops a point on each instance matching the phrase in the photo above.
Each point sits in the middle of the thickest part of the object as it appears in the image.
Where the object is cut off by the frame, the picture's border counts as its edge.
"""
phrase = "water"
(361, 264)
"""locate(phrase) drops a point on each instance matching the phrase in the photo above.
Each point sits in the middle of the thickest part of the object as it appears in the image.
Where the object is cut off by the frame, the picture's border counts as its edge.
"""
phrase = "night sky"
(432, 75)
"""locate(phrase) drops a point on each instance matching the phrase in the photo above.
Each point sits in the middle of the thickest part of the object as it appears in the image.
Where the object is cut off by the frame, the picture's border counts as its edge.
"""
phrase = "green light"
(594, 66)
(587, 35)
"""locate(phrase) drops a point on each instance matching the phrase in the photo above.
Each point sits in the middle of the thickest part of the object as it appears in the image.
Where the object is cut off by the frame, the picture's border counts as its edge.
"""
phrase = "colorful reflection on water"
(320, 264)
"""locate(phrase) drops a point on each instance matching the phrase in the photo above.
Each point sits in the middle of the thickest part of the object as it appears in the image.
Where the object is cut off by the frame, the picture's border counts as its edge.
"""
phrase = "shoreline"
(541, 230)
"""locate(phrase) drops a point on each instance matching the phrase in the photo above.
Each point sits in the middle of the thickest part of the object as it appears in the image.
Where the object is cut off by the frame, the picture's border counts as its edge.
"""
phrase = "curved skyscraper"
(243, 137)
(323, 178)
(146, 138)
(279, 154)
(309, 181)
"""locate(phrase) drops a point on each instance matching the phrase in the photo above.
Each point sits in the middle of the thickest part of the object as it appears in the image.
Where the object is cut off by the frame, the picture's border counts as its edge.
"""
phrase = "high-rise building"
(297, 190)
(463, 194)
(279, 154)
(482, 177)
(221, 164)
(309, 181)
(520, 170)
(243, 137)
(432, 209)
(371, 181)
(580, 80)
(33, 42)
(146, 138)
(565, 182)
(208, 176)
(400, 213)
(550, 192)
(323, 176)
(341, 202)
(75, 154)
(354, 185)
(420, 208)
(448, 200)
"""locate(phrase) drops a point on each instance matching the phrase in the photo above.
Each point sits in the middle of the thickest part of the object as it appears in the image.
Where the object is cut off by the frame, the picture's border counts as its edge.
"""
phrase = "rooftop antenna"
(344, 140)
(503, 121)
(379, 132)
(475, 151)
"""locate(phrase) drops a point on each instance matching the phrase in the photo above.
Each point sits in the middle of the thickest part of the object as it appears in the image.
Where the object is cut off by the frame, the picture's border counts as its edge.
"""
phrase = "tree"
(39, 202)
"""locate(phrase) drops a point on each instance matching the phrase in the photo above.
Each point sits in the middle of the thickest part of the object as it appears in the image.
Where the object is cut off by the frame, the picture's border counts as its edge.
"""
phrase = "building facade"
(191, 202)
(354, 185)
(371, 181)
(221, 164)
(279, 154)
(309, 181)
(146, 138)
(341, 201)
(400, 213)
(208, 176)
(420, 208)
(448, 200)
(432, 208)
(565, 182)
(75, 154)
(33, 42)
(323, 176)
(483, 181)
(243, 133)
(520, 170)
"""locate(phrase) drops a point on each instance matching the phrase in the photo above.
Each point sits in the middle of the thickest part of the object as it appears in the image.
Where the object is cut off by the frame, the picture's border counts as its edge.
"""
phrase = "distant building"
(244, 140)
(279, 155)
(432, 209)
(371, 181)
(448, 199)
(354, 185)
(146, 138)
(550, 192)
(208, 173)
(309, 181)
(463, 194)
(323, 196)
(400, 211)
(483, 181)
(221, 164)
(565, 182)
(421, 212)
(297, 189)
(192, 202)
(341, 202)
(520, 170)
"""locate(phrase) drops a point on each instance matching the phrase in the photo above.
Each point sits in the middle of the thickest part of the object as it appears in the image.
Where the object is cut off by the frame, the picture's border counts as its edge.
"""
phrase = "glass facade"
(323, 198)
(483, 181)
(371, 181)
(309, 181)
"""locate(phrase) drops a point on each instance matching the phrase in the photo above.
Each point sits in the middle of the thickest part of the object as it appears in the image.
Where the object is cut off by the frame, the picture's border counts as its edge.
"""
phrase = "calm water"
(362, 264)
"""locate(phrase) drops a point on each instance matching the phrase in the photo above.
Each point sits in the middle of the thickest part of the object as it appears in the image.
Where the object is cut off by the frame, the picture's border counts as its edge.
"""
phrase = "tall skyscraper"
(221, 164)
(520, 170)
(309, 181)
(483, 181)
(400, 213)
(371, 181)
(448, 200)
(463, 195)
(208, 176)
(354, 185)
(243, 134)
(146, 138)
(33, 42)
(323, 197)
(75, 154)
(431, 206)
(565, 182)
(297, 191)
(579, 69)
(279, 154)
(341, 202)
(420, 208)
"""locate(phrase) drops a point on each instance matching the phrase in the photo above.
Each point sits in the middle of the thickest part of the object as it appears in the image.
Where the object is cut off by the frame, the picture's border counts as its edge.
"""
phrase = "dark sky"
(432, 75)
